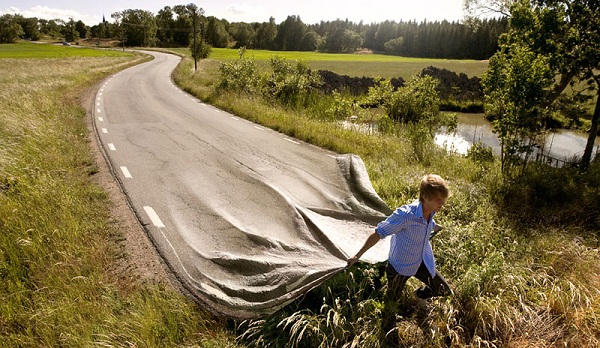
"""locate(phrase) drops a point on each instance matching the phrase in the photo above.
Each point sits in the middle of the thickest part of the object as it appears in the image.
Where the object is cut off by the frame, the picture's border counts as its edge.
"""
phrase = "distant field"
(44, 50)
(369, 65)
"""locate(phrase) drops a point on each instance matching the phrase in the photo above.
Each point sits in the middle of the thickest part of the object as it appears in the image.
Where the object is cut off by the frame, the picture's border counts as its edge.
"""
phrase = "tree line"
(172, 27)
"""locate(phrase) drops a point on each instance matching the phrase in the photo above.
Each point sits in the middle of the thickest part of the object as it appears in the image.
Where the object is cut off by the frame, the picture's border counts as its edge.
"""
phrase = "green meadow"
(45, 50)
(369, 65)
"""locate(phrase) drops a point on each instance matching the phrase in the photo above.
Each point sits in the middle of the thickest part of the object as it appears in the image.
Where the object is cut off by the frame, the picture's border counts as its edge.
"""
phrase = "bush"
(418, 101)
(240, 75)
(480, 154)
(291, 84)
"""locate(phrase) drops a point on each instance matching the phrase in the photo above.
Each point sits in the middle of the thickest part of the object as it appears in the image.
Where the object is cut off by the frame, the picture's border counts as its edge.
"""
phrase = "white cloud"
(45, 12)
(245, 11)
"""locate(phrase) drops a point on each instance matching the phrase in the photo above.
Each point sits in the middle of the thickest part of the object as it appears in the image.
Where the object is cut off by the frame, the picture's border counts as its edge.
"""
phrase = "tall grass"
(59, 284)
(519, 280)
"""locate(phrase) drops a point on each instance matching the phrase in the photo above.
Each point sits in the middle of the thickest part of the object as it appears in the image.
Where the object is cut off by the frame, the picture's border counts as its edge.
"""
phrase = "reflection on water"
(474, 128)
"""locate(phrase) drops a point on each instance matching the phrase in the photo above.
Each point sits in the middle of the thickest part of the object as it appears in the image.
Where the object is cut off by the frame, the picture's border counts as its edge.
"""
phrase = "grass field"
(369, 65)
(46, 50)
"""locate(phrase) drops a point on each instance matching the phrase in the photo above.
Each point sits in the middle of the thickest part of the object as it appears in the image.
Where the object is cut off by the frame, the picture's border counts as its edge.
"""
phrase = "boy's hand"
(436, 230)
(351, 261)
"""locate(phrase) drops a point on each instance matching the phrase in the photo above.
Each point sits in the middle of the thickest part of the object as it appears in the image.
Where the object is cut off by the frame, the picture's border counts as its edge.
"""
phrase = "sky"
(310, 11)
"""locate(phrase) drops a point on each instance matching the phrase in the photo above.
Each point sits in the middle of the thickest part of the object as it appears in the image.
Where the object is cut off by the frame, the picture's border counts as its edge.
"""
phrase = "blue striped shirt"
(410, 244)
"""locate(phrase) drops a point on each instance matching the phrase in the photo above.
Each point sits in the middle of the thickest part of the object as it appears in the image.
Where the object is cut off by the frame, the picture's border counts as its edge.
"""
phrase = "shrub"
(291, 84)
(417, 101)
(480, 153)
(240, 75)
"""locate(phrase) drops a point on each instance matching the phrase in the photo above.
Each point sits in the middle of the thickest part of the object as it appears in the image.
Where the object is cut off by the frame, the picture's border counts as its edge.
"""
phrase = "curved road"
(247, 218)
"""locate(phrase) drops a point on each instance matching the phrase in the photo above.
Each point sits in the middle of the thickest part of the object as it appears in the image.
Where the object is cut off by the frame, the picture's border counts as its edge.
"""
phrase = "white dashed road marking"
(292, 141)
(154, 217)
(112, 147)
(126, 172)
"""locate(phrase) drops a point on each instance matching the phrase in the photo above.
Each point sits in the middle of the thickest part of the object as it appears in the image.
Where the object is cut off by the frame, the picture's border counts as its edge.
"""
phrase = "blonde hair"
(432, 185)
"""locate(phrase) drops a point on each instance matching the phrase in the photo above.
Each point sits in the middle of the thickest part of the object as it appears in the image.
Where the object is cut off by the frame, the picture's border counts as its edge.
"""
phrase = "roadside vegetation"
(521, 253)
(60, 285)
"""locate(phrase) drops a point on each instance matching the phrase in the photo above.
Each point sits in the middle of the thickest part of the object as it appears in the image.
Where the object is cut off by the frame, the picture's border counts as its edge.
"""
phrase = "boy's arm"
(371, 240)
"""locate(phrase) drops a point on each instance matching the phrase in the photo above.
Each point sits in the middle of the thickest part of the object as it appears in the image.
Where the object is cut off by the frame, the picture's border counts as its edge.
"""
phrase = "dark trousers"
(435, 286)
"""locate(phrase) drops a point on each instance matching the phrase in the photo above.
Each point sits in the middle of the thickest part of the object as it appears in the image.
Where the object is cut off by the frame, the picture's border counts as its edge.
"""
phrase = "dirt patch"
(141, 259)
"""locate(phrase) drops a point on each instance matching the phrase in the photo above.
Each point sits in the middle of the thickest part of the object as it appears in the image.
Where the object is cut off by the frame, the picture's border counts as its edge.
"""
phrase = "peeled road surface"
(248, 219)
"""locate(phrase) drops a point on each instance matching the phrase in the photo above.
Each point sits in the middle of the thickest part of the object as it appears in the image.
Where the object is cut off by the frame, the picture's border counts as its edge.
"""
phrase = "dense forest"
(172, 27)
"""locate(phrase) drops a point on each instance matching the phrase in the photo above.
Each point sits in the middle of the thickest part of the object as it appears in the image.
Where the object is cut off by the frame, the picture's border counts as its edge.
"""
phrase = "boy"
(410, 254)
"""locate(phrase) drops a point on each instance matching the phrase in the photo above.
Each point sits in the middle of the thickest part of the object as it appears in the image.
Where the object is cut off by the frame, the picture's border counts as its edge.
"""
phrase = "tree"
(476, 9)
(569, 35)
(394, 46)
(265, 35)
(81, 29)
(138, 27)
(165, 26)
(68, 31)
(290, 33)
(243, 35)
(216, 34)
(10, 30)
(310, 41)
(566, 33)
(183, 26)
(515, 84)
(386, 31)
(31, 30)
(198, 48)
(342, 40)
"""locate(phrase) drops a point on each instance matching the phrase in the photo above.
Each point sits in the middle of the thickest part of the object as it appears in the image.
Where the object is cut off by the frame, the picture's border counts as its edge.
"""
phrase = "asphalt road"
(247, 218)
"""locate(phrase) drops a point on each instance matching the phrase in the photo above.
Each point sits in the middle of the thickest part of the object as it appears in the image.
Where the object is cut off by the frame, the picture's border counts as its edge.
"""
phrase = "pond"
(474, 128)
